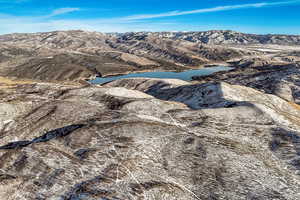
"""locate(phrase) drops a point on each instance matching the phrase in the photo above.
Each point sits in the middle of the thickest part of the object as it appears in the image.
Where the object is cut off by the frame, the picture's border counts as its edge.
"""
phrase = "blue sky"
(251, 16)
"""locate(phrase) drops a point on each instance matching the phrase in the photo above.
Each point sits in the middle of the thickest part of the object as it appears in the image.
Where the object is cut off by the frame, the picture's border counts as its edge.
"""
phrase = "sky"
(249, 16)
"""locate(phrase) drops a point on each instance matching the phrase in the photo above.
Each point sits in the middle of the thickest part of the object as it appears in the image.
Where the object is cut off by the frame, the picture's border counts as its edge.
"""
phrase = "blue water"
(185, 75)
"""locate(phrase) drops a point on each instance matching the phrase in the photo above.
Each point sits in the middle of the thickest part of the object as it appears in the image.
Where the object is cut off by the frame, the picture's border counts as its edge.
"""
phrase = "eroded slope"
(90, 142)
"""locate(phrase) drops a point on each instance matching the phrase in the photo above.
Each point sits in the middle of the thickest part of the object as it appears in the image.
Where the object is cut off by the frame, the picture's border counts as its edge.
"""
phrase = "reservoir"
(185, 75)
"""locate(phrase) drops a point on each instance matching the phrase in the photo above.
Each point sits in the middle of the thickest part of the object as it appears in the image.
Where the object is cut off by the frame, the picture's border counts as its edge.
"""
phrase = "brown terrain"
(230, 135)
(73, 55)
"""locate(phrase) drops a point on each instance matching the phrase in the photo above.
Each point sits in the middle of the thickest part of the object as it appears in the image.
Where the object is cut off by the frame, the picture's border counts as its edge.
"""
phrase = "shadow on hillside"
(263, 77)
(198, 96)
(53, 134)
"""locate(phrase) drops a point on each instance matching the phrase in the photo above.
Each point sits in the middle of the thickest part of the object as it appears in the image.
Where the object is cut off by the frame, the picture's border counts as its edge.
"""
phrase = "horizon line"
(147, 31)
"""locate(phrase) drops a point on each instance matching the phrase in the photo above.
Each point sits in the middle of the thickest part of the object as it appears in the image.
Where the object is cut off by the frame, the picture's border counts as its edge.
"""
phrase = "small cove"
(184, 75)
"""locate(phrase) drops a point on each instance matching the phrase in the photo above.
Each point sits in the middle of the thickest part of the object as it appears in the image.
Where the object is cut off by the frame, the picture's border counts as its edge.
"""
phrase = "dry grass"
(6, 82)
(11, 82)
(296, 106)
(292, 117)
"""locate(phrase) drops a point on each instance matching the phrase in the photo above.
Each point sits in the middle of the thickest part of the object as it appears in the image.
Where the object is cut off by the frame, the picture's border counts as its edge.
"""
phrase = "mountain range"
(229, 135)
(73, 55)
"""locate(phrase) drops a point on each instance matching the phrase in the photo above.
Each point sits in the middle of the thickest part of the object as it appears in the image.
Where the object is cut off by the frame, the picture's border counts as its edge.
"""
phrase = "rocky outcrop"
(166, 139)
